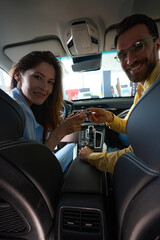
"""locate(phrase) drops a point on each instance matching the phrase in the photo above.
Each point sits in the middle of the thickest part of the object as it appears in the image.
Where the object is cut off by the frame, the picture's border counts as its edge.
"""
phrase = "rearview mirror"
(87, 63)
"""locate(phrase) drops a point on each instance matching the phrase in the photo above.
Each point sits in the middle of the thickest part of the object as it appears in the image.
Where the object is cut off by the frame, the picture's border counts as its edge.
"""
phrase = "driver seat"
(137, 174)
(30, 179)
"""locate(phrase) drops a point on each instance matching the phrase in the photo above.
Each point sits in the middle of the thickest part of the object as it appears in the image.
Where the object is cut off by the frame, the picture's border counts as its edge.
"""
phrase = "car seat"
(137, 174)
(30, 179)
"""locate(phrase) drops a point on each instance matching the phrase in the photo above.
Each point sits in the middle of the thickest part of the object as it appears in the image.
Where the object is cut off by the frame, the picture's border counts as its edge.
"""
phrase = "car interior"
(37, 200)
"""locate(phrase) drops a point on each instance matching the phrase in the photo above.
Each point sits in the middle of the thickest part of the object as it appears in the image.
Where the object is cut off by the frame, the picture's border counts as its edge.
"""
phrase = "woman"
(36, 83)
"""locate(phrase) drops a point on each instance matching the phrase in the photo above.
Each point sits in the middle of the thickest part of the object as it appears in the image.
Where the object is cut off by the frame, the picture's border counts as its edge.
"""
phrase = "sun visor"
(82, 38)
(158, 25)
(109, 40)
(17, 51)
(110, 36)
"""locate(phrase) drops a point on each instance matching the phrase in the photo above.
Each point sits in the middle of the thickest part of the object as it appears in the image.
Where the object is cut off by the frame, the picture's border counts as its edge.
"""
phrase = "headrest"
(143, 127)
(12, 118)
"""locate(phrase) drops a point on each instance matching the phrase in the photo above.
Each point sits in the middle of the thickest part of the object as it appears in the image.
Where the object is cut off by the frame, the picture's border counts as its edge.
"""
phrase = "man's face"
(138, 67)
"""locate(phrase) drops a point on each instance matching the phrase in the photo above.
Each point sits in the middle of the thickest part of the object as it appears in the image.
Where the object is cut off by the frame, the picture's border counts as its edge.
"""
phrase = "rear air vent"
(90, 221)
(81, 220)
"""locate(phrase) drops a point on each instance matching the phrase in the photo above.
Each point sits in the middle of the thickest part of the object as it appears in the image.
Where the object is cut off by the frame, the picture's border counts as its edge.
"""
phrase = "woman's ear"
(17, 77)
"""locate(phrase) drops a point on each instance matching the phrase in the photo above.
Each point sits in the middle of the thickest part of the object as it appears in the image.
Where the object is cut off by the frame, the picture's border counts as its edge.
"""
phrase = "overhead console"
(82, 38)
(84, 43)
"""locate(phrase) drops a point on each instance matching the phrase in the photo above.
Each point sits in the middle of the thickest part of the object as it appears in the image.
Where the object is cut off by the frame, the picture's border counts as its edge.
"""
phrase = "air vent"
(90, 221)
(71, 220)
(81, 220)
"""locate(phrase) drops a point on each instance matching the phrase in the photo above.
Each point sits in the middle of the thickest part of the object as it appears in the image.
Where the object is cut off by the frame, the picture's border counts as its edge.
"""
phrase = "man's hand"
(84, 153)
(100, 115)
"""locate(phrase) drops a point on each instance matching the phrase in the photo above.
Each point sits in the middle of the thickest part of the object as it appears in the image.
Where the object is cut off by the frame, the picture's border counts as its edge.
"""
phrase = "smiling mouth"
(136, 67)
(39, 94)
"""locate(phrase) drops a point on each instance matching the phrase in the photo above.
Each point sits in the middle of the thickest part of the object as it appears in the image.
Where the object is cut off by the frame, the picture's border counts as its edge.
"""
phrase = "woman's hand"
(72, 123)
(84, 153)
(100, 115)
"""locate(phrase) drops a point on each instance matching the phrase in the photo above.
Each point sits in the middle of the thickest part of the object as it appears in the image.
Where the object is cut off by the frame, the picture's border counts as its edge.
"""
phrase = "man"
(137, 42)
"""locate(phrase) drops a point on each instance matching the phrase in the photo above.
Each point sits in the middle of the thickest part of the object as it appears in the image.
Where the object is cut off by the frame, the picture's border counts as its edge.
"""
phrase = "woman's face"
(36, 84)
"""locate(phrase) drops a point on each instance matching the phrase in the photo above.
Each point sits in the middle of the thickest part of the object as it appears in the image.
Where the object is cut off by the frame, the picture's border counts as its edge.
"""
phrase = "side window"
(4, 81)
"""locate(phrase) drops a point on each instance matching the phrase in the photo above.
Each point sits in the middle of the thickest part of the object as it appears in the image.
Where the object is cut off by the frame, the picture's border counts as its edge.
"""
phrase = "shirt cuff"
(114, 122)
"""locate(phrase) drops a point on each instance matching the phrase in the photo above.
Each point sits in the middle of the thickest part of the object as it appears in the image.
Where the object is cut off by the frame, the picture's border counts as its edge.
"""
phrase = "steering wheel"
(123, 114)
(64, 111)
(67, 108)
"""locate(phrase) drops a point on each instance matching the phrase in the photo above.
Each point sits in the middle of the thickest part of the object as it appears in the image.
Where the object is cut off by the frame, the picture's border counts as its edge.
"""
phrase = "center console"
(92, 135)
(83, 209)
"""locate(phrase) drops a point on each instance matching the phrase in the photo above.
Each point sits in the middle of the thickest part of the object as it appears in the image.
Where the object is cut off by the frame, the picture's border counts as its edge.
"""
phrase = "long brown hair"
(47, 114)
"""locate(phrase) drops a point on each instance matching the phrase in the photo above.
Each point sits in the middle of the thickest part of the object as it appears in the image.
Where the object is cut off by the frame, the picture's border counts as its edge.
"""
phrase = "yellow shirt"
(105, 161)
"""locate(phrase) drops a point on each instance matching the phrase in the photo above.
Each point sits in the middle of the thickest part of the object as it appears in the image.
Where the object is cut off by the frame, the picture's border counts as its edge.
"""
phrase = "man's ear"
(157, 47)
(157, 44)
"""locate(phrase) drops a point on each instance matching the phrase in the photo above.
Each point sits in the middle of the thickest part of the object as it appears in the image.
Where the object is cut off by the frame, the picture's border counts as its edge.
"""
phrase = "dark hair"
(133, 20)
(47, 114)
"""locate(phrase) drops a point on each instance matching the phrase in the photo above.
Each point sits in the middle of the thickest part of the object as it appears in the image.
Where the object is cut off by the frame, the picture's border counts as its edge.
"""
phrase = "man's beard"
(142, 76)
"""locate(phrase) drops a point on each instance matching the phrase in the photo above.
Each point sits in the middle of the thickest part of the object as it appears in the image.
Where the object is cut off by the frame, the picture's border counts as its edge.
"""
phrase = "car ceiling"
(31, 20)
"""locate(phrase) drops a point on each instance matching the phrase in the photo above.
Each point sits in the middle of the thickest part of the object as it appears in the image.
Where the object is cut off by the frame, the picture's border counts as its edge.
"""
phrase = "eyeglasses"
(137, 48)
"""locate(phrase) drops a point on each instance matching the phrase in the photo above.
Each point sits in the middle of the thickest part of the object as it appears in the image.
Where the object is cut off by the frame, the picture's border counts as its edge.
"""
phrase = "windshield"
(109, 81)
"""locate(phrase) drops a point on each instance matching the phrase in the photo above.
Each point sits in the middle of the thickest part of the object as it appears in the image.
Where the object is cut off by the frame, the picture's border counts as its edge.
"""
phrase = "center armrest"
(84, 178)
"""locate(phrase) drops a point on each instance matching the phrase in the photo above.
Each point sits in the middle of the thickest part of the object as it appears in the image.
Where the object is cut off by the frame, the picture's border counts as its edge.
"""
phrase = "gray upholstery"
(30, 179)
(137, 174)
(144, 125)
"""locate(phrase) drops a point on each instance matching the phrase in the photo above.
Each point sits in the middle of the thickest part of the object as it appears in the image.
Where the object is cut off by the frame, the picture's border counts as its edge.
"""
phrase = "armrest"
(84, 178)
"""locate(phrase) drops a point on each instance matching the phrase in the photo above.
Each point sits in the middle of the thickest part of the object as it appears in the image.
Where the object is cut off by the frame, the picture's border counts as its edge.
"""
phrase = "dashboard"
(96, 136)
